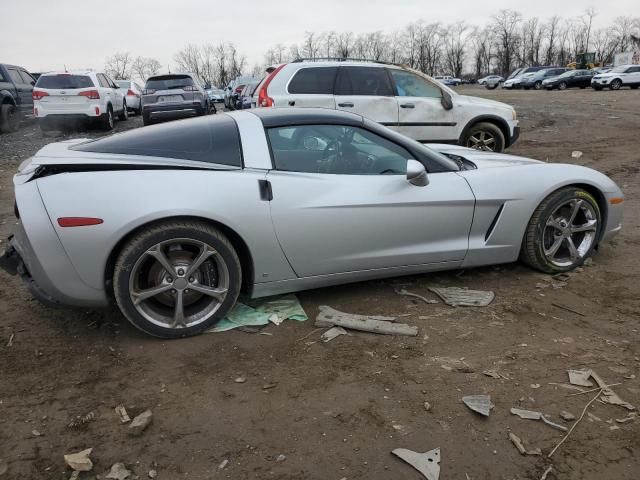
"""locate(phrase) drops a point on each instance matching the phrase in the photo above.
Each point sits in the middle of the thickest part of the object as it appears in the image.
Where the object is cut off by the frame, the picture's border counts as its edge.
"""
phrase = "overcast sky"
(46, 35)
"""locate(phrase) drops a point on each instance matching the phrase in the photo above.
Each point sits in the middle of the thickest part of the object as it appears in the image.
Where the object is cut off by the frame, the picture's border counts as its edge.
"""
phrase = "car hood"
(482, 101)
(483, 159)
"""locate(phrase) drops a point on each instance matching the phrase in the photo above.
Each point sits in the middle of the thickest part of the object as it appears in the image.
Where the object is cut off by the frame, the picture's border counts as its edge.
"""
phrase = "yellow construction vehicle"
(586, 60)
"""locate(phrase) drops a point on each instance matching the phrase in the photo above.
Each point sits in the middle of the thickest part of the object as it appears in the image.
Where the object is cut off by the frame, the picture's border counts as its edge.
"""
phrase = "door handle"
(346, 104)
(407, 105)
(292, 103)
(266, 193)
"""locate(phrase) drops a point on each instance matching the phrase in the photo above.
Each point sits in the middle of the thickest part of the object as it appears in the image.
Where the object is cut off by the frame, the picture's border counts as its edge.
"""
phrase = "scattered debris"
(584, 410)
(580, 377)
(152, 474)
(463, 297)
(223, 464)
(36, 433)
(568, 309)
(118, 472)
(269, 386)
(122, 413)
(428, 463)
(520, 446)
(75, 475)
(546, 472)
(281, 458)
(81, 421)
(593, 417)
(10, 342)
(406, 293)
(332, 333)
(427, 406)
(568, 416)
(608, 395)
(329, 317)
(531, 415)
(576, 154)
(240, 379)
(140, 423)
(592, 390)
(535, 385)
(630, 418)
(79, 461)
(494, 374)
(479, 403)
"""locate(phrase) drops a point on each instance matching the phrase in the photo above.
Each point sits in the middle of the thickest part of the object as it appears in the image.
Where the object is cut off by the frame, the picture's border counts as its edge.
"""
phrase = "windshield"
(620, 69)
(123, 83)
(567, 74)
(169, 82)
(64, 81)
(514, 73)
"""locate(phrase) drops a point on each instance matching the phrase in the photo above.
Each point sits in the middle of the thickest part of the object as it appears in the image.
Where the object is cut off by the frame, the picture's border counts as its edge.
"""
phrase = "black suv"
(16, 87)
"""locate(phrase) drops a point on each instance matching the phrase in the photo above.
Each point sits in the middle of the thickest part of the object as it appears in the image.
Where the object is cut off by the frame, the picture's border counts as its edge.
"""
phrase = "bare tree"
(587, 20)
(145, 67)
(551, 30)
(455, 41)
(119, 66)
(188, 59)
(344, 44)
(505, 27)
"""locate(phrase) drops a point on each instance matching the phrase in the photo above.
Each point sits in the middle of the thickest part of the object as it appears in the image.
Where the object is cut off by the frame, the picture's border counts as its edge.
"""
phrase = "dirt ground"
(338, 409)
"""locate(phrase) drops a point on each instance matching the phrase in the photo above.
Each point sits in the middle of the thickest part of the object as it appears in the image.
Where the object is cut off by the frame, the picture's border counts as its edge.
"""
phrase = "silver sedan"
(172, 222)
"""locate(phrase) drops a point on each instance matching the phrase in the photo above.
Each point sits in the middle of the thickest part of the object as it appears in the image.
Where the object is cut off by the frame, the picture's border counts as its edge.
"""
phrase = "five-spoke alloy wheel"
(563, 231)
(177, 279)
(484, 136)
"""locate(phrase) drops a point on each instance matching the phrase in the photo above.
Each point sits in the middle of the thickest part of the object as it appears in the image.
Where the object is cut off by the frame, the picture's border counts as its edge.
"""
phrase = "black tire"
(615, 84)
(562, 86)
(538, 85)
(179, 230)
(633, 87)
(490, 130)
(107, 119)
(526, 88)
(597, 89)
(532, 250)
(45, 126)
(124, 115)
(9, 118)
(491, 87)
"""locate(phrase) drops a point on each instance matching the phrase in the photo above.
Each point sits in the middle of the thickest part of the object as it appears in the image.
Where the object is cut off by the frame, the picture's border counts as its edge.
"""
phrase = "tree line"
(507, 41)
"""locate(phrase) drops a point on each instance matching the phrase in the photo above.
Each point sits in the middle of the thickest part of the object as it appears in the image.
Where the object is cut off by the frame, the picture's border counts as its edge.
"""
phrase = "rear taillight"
(90, 94)
(148, 91)
(39, 94)
(264, 100)
(239, 89)
(131, 93)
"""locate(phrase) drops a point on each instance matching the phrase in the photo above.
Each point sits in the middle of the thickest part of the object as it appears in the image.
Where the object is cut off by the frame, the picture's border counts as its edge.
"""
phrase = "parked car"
(245, 99)
(281, 200)
(448, 80)
(490, 78)
(569, 79)
(16, 85)
(514, 81)
(233, 89)
(535, 79)
(63, 98)
(173, 95)
(133, 95)
(235, 96)
(618, 77)
(216, 95)
(406, 100)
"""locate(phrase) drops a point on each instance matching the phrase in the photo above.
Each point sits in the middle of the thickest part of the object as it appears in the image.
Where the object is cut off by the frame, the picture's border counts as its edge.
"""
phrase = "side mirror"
(446, 101)
(416, 174)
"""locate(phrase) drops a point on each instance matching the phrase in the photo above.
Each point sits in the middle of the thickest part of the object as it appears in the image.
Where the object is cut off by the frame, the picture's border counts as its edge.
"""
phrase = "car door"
(311, 87)
(633, 76)
(105, 90)
(421, 115)
(23, 88)
(340, 202)
(29, 82)
(118, 94)
(366, 91)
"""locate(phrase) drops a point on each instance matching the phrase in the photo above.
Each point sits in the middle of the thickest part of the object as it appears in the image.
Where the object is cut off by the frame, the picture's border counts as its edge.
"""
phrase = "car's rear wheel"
(615, 84)
(562, 232)
(538, 85)
(124, 115)
(107, 119)
(177, 279)
(484, 136)
(9, 118)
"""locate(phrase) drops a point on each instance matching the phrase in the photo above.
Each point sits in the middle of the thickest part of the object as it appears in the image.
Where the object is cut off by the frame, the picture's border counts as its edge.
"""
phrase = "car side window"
(313, 80)
(102, 80)
(26, 78)
(2, 79)
(111, 83)
(363, 81)
(15, 76)
(411, 85)
(337, 150)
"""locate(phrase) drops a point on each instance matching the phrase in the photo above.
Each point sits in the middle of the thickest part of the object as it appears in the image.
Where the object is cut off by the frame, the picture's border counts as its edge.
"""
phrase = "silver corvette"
(173, 222)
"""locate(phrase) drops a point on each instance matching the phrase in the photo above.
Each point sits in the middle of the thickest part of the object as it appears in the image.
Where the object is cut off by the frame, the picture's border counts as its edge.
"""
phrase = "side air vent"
(493, 223)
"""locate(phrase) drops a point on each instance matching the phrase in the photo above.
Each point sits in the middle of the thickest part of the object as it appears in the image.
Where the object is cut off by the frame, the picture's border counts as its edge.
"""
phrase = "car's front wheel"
(9, 118)
(484, 136)
(538, 85)
(615, 84)
(562, 232)
(177, 279)
(562, 86)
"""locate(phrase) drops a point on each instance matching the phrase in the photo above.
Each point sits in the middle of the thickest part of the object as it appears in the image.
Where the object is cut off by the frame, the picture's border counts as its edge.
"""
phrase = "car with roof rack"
(397, 96)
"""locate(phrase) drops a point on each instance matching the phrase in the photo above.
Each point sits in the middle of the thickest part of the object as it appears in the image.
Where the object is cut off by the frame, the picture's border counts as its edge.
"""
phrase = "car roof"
(345, 63)
(280, 117)
(71, 72)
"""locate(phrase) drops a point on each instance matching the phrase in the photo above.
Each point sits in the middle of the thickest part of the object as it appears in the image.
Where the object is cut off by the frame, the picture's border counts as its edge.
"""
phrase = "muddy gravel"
(336, 410)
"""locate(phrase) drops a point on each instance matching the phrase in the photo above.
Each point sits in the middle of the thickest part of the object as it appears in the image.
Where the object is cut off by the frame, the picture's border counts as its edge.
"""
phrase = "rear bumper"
(159, 112)
(69, 111)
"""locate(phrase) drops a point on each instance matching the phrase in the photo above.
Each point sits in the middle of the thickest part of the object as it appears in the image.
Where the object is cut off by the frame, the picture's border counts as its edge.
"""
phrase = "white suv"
(63, 97)
(403, 99)
(614, 79)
